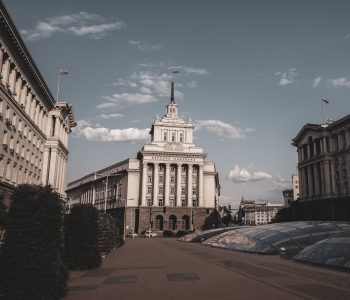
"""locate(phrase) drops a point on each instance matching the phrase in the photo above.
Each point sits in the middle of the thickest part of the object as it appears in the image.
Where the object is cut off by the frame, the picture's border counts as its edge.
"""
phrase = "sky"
(252, 73)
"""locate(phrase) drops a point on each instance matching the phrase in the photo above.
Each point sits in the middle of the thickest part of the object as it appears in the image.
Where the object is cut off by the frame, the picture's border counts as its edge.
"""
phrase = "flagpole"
(322, 112)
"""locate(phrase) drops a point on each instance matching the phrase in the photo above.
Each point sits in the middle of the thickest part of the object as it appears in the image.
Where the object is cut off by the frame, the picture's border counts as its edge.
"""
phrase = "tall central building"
(169, 186)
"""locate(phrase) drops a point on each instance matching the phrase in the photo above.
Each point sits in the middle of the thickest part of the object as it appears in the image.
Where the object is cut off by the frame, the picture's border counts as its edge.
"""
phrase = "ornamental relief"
(173, 146)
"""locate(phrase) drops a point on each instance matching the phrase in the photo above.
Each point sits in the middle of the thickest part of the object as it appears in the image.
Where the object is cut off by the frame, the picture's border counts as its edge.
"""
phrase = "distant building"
(34, 127)
(324, 160)
(288, 196)
(295, 187)
(169, 186)
(252, 213)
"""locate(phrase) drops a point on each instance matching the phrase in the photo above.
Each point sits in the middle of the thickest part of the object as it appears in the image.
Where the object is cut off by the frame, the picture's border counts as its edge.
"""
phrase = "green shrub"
(30, 259)
(107, 232)
(81, 238)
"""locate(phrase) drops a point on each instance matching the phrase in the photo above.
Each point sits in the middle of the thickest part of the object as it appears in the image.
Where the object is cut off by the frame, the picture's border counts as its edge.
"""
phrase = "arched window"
(185, 223)
(172, 222)
(159, 223)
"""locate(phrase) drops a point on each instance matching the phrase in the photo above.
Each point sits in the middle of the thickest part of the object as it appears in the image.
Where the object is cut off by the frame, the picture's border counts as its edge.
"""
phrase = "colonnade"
(178, 186)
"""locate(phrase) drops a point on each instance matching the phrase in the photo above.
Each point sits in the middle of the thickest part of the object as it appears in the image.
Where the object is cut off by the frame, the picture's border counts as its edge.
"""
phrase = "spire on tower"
(172, 92)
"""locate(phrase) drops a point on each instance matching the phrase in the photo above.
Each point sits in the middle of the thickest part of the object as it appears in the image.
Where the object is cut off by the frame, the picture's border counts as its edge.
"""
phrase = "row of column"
(21, 91)
(317, 179)
(340, 141)
(167, 185)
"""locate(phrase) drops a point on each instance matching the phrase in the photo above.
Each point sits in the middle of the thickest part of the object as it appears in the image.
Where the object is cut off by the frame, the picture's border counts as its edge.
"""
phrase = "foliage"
(81, 238)
(226, 219)
(212, 221)
(30, 259)
(107, 232)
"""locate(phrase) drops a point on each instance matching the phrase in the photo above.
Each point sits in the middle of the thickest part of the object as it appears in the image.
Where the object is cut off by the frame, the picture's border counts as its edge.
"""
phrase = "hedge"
(30, 259)
(81, 238)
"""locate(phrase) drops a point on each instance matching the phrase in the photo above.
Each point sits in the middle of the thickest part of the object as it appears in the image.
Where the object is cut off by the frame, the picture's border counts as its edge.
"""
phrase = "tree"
(227, 217)
(30, 259)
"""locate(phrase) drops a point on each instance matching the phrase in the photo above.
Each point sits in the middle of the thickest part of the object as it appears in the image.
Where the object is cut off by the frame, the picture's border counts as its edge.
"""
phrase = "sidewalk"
(169, 269)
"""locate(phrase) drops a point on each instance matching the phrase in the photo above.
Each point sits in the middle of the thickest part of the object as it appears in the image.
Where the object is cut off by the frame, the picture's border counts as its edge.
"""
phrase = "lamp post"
(61, 72)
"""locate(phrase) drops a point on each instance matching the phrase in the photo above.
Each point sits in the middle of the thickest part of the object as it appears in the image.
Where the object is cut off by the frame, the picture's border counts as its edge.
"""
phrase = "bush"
(107, 232)
(81, 238)
(30, 259)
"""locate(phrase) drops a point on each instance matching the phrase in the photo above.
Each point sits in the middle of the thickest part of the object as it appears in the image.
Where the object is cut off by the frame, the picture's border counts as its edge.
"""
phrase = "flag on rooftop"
(64, 72)
(325, 100)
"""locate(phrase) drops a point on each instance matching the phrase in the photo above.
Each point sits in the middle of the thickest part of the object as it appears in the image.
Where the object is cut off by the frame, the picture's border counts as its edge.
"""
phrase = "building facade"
(169, 186)
(324, 160)
(252, 213)
(34, 127)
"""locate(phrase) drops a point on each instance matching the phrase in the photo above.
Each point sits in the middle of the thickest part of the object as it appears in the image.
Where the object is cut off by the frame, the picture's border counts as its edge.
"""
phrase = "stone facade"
(169, 186)
(34, 127)
(324, 160)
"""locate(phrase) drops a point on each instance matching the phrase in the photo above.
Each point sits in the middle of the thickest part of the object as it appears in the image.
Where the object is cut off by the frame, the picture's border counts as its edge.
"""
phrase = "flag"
(64, 72)
(324, 100)
(176, 72)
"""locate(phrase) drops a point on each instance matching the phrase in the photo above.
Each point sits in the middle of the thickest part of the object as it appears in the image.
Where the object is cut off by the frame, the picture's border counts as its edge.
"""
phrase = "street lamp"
(61, 72)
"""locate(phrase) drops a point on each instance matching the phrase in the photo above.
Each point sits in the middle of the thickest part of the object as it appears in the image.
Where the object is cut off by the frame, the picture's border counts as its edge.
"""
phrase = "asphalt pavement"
(162, 268)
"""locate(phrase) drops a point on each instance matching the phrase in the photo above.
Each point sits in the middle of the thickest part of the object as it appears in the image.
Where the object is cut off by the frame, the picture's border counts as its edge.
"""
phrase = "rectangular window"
(194, 180)
(165, 136)
(183, 202)
(172, 191)
(149, 178)
(149, 202)
(181, 137)
(160, 202)
(172, 179)
(149, 190)
(183, 168)
(183, 191)
(183, 180)
(160, 190)
(161, 179)
(172, 168)
(173, 136)
(194, 191)
(149, 167)
(161, 168)
(194, 203)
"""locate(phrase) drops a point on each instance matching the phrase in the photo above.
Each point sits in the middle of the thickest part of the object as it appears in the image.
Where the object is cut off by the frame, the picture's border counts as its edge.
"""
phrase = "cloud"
(142, 46)
(221, 129)
(125, 99)
(123, 82)
(317, 81)
(84, 129)
(111, 116)
(347, 36)
(192, 84)
(287, 77)
(242, 175)
(281, 183)
(340, 82)
(79, 24)
(187, 71)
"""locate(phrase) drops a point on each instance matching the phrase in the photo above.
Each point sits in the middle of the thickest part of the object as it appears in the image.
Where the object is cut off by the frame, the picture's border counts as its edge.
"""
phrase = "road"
(168, 269)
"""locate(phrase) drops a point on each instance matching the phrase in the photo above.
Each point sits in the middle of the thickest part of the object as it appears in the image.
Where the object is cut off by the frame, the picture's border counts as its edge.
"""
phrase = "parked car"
(150, 234)
(133, 235)
(168, 233)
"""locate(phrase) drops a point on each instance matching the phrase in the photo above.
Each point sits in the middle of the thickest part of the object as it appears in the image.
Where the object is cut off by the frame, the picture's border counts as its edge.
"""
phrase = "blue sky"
(252, 73)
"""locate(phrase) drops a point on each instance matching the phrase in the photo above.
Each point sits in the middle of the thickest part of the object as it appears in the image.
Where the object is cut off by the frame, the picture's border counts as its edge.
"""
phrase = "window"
(160, 190)
(165, 136)
(172, 168)
(194, 180)
(149, 202)
(149, 167)
(183, 180)
(172, 179)
(149, 190)
(194, 168)
(149, 178)
(161, 168)
(160, 179)
(160, 202)
(194, 203)
(181, 137)
(183, 202)
(194, 191)
(172, 190)
(183, 191)
(173, 136)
